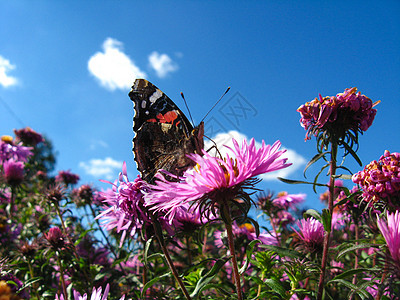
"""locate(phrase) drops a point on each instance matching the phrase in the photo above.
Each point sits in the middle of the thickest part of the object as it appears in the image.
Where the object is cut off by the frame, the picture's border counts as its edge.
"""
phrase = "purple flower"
(13, 172)
(311, 234)
(9, 150)
(391, 232)
(188, 219)
(9, 285)
(214, 178)
(286, 201)
(283, 218)
(96, 295)
(380, 180)
(67, 177)
(55, 237)
(124, 205)
(347, 111)
(244, 234)
(28, 136)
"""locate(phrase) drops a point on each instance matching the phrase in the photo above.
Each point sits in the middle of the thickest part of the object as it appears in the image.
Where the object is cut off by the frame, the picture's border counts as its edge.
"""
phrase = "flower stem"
(34, 285)
(12, 200)
(231, 243)
(70, 241)
(357, 252)
(102, 232)
(168, 257)
(62, 276)
(332, 172)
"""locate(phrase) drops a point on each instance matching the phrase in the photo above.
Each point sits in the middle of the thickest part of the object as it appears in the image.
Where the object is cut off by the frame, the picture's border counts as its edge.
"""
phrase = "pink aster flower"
(96, 295)
(56, 238)
(391, 232)
(9, 150)
(336, 115)
(215, 179)
(124, 205)
(244, 234)
(188, 219)
(286, 201)
(311, 234)
(13, 172)
(282, 218)
(380, 180)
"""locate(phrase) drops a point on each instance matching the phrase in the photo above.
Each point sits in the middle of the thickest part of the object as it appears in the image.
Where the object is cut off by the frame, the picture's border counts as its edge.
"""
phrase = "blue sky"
(66, 69)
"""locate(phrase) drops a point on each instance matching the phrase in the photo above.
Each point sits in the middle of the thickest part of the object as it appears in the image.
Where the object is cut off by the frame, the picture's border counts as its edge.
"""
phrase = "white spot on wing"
(144, 104)
(156, 95)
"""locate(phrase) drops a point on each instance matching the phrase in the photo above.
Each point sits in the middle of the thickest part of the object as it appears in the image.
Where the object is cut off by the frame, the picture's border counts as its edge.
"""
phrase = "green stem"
(332, 172)
(32, 276)
(275, 231)
(71, 242)
(102, 232)
(107, 240)
(357, 252)
(62, 276)
(188, 250)
(62, 221)
(231, 243)
(260, 285)
(161, 241)
(12, 200)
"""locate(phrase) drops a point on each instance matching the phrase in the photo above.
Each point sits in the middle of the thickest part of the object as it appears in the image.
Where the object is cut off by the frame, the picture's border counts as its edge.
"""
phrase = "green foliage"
(274, 262)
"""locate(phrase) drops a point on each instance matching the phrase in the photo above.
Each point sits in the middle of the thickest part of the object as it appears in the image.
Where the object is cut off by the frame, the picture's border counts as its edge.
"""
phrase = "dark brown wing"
(164, 136)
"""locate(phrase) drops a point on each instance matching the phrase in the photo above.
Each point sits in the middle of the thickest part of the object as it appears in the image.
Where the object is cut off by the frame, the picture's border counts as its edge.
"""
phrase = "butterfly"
(163, 134)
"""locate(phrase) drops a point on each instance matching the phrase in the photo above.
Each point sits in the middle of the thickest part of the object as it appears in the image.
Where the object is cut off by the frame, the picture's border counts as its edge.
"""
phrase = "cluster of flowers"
(380, 180)
(129, 203)
(13, 156)
(55, 246)
(345, 111)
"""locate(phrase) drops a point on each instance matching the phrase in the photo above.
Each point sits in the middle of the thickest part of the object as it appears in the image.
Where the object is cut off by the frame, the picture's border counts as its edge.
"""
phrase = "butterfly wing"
(163, 133)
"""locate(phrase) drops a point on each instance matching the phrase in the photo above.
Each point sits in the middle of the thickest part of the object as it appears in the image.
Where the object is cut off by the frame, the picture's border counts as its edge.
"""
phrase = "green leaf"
(313, 213)
(355, 247)
(219, 289)
(155, 255)
(313, 160)
(352, 272)
(283, 251)
(344, 176)
(351, 151)
(291, 181)
(327, 220)
(317, 176)
(276, 286)
(204, 280)
(345, 283)
(255, 224)
(153, 281)
(146, 249)
(249, 253)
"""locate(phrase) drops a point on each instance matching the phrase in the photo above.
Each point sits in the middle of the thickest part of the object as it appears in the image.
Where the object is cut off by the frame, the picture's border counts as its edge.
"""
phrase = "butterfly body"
(164, 136)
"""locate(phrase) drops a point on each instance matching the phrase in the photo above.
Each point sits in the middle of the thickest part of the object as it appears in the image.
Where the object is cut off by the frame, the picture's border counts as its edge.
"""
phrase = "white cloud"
(162, 64)
(107, 168)
(5, 79)
(113, 68)
(222, 139)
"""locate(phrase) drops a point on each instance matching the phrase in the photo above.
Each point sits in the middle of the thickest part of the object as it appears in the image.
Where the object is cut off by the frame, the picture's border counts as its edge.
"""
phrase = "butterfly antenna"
(227, 90)
(190, 115)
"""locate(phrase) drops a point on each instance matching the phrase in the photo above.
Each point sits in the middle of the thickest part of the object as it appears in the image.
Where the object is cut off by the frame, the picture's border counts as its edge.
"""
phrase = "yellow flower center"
(7, 139)
(248, 226)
